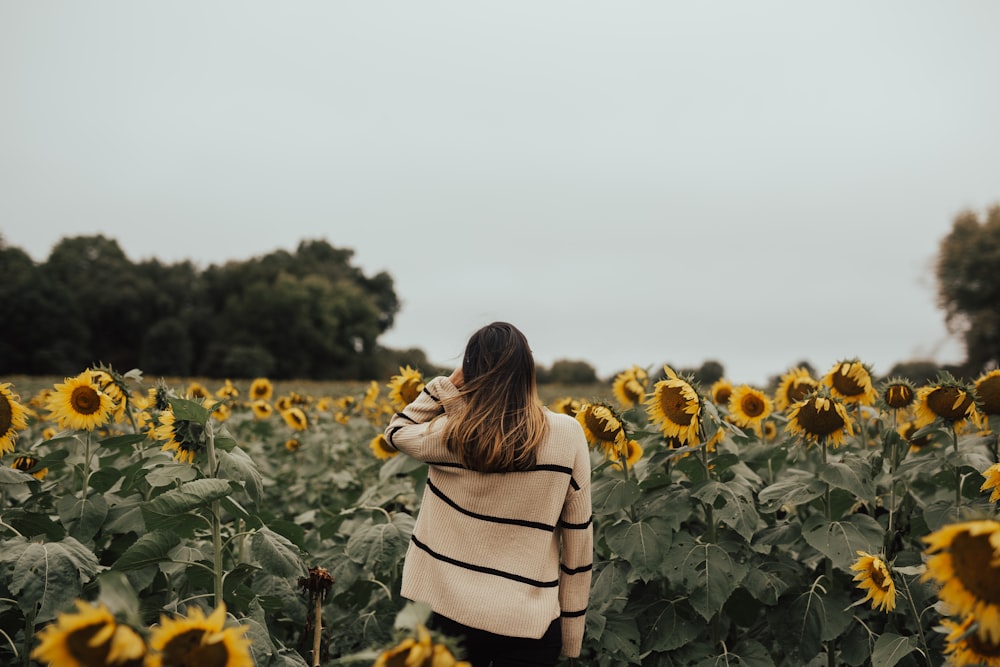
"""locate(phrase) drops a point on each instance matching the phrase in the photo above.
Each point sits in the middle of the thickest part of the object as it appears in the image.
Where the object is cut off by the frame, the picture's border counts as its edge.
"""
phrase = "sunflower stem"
(216, 512)
(29, 635)
(86, 465)
(622, 458)
(893, 462)
(861, 427)
(916, 615)
(958, 474)
(317, 628)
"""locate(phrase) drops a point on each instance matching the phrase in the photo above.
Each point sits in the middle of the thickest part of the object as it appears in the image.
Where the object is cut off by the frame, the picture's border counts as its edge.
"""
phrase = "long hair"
(498, 422)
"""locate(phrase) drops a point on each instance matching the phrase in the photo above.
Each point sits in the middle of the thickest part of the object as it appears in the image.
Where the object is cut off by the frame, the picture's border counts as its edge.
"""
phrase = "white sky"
(628, 182)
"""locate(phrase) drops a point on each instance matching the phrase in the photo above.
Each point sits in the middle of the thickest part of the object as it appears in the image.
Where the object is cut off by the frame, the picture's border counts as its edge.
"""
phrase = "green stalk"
(622, 459)
(216, 513)
(920, 627)
(861, 427)
(958, 474)
(831, 646)
(86, 465)
(893, 462)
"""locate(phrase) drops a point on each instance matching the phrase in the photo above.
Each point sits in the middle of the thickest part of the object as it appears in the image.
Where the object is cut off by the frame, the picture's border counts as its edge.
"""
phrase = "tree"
(968, 290)
(566, 371)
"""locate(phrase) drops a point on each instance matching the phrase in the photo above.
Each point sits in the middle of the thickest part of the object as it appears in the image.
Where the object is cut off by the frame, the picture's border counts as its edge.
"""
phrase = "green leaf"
(120, 597)
(82, 517)
(621, 637)
(276, 554)
(890, 649)
(379, 546)
(642, 544)
(151, 549)
(125, 516)
(667, 625)
(707, 571)
(797, 487)
(853, 475)
(239, 467)
(612, 493)
(10, 475)
(746, 653)
(817, 615)
(169, 473)
(170, 509)
(841, 540)
(189, 410)
(771, 578)
(610, 586)
(672, 504)
(969, 457)
(737, 511)
(47, 577)
(33, 524)
(121, 441)
(400, 464)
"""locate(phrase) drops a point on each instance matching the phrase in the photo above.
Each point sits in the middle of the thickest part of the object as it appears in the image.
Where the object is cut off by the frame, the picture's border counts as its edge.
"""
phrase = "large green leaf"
(671, 504)
(642, 543)
(621, 639)
(610, 585)
(737, 509)
(611, 493)
(150, 549)
(171, 509)
(379, 546)
(746, 653)
(841, 540)
(890, 648)
(237, 465)
(82, 517)
(668, 625)
(276, 554)
(768, 580)
(48, 576)
(797, 487)
(853, 475)
(707, 571)
(815, 616)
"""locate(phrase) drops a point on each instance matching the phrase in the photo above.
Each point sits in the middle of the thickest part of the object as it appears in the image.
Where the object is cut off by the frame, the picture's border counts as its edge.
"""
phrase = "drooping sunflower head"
(794, 386)
(820, 416)
(991, 482)
(908, 430)
(566, 405)
(261, 389)
(199, 640)
(261, 408)
(748, 406)
(380, 448)
(186, 437)
(720, 391)
(113, 385)
(29, 464)
(629, 386)
(897, 393)
(851, 382)
(88, 637)
(13, 418)
(79, 404)
(873, 577)
(965, 647)
(405, 387)
(602, 425)
(987, 389)
(296, 418)
(946, 399)
(965, 562)
(675, 406)
(631, 451)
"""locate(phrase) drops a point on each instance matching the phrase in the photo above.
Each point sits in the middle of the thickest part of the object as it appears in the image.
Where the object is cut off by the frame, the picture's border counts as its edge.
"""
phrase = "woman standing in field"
(502, 549)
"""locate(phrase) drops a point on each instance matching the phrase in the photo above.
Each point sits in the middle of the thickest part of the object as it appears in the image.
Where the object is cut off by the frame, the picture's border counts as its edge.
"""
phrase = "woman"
(502, 549)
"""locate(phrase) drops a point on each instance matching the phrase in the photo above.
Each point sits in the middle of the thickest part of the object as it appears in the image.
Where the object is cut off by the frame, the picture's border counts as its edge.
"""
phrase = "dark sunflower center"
(981, 646)
(989, 393)
(188, 434)
(24, 463)
(847, 385)
(633, 390)
(898, 396)
(77, 643)
(6, 414)
(601, 429)
(752, 405)
(972, 556)
(673, 402)
(186, 650)
(85, 400)
(879, 577)
(409, 390)
(819, 422)
(949, 402)
(722, 395)
(798, 390)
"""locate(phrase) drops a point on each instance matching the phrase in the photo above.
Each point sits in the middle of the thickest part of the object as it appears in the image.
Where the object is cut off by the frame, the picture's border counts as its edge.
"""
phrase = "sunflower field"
(833, 520)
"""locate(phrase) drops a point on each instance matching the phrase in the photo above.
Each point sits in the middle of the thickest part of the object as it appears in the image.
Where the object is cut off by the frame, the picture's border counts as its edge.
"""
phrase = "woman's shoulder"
(563, 425)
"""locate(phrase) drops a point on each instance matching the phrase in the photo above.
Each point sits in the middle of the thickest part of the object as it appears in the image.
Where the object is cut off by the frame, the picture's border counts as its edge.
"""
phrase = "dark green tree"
(967, 267)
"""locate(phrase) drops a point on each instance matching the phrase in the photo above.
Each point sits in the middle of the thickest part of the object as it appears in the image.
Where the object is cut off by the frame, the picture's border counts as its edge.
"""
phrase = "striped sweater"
(503, 552)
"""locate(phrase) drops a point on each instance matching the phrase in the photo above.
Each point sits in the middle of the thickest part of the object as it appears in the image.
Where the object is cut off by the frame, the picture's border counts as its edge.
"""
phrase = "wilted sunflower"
(819, 416)
(897, 393)
(987, 389)
(966, 564)
(675, 407)
(991, 482)
(946, 399)
(566, 405)
(632, 451)
(79, 404)
(295, 418)
(748, 407)
(874, 578)
(26, 463)
(720, 391)
(405, 387)
(380, 447)
(601, 425)
(261, 408)
(13, 418)
(851, 382)
(793, 387)
(184, 436)
(967, 648)
(89, 637)
(261, 389)
(199, 640)
(629, 386)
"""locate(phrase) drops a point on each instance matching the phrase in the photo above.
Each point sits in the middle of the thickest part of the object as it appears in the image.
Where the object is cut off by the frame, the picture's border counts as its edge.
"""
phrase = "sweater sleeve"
(408, 428)
(577, 556)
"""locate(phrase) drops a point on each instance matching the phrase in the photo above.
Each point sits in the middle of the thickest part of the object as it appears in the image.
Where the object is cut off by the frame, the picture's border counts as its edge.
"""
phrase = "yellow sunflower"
(199, 640)
(897, 393)
(675, 407)
(907, 429)
(196, 390)
(227, 390)
(987, 389)
(79, 404)
(185, 437)
(770, 430)
(965, 647)
(720, 391)
(629, 387)
(222, 411)
(966, 565)
(405, 387)
(601, 425)
(295, 418)
(748, 407)
(793, 387)
(293, 444)
(87, 638)
(261, 389)
(261, 408)
(419, 652)
(945, 399)
(380, 447)
(820, 416)
(112, 384)
(991, 482)
(851, 382)
(566, 405)
(632, 451)
(13, 418)
(26, 463)
(873, 577)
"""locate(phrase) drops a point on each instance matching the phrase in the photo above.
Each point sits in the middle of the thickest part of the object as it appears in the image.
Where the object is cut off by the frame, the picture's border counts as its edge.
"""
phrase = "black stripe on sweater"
(576, 570)
(573, 614)
(484, 570)
(575, 526)
(486, 517)
(433, 397)
(391, 432)
(406, 417)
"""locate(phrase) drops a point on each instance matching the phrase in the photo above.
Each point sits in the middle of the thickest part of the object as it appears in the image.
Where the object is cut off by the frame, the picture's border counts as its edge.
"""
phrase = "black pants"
(485, 649)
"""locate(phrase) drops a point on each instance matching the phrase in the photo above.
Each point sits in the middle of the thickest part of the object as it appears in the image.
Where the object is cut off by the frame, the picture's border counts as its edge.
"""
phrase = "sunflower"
(227, 390)
(566, 405)
(380, 447)
(196, 390)
(419, 652)
(987, 389)
(748, 407)
(199, 640)
(79, 404)
(293, 444)
(13, 418)
(632, 451)
(819, 416)
(295, 418)
(851, 382)
(720, 391)
(874, 578)
(675, 407)
(222, 411)
(26, 463)
(629, 387)
(966, 647)
(111, 383)
(794, 386)
(261, 389)
(261, 408)
(89, 637)
(897, 393)
(405, 387)
(370, 400)
(991, 482)
(183, 436)
(907, 429)
(602, 425)
(770, 430)
(966, 564)
(946, 399)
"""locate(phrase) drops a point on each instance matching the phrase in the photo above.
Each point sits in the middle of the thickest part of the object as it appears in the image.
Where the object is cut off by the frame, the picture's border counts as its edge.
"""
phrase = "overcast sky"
(752, 182)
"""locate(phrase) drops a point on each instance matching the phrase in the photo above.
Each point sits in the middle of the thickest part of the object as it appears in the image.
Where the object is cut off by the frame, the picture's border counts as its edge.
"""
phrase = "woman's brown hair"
(498, 422)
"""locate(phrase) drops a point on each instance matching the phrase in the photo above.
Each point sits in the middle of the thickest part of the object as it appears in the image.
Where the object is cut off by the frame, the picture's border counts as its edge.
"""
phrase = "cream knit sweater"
(502, 552)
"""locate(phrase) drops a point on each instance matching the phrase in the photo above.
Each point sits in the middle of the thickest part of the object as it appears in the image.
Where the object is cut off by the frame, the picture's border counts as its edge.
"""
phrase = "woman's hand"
(456, 377)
